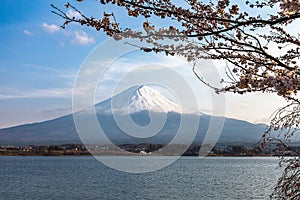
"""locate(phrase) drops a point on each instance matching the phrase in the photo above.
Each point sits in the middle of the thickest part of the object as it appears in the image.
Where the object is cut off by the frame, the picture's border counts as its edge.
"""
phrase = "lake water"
(187, 178)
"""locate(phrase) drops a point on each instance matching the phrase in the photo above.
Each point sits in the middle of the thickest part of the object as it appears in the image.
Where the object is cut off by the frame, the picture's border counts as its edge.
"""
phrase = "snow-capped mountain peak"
(147, 98)
(139, 98)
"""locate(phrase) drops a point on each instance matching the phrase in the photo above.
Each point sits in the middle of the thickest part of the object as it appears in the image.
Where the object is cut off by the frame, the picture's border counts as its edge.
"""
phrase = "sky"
(39, 63)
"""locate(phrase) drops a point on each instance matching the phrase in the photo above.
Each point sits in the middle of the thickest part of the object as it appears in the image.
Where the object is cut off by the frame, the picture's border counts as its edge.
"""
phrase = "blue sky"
(39, 62)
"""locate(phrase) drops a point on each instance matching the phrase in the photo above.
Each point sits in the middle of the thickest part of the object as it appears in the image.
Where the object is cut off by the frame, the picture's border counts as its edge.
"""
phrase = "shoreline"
(144, 149)
(131, 154)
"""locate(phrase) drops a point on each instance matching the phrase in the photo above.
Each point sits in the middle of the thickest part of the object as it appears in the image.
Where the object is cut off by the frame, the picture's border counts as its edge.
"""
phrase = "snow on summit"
(147, 98)
(139, 98)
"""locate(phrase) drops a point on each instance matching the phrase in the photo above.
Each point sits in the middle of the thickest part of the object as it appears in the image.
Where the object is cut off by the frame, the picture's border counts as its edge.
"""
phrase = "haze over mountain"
(137, 103)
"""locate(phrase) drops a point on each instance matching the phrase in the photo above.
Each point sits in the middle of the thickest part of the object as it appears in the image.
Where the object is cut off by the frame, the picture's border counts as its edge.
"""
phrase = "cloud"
(72, 13)
(50, 28)
(27, 32)
(38, 93)
(54, 112)
(82, 38)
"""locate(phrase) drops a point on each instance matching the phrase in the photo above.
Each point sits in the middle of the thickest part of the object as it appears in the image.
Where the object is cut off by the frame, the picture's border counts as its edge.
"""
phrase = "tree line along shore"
(145, 149)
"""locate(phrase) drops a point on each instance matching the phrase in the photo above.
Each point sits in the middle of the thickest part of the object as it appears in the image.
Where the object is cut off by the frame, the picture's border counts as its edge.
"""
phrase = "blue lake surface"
(187, 178)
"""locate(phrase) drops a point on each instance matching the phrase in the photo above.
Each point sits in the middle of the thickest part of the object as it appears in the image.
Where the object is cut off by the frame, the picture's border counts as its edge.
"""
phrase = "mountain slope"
(138, 101)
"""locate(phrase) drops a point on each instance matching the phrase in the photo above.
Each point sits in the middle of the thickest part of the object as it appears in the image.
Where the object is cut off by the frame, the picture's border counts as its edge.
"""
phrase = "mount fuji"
(137, 99)
(140, 103)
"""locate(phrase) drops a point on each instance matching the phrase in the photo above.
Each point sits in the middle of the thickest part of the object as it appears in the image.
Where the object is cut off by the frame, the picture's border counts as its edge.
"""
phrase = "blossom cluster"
(290, 6)
(285, 83)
